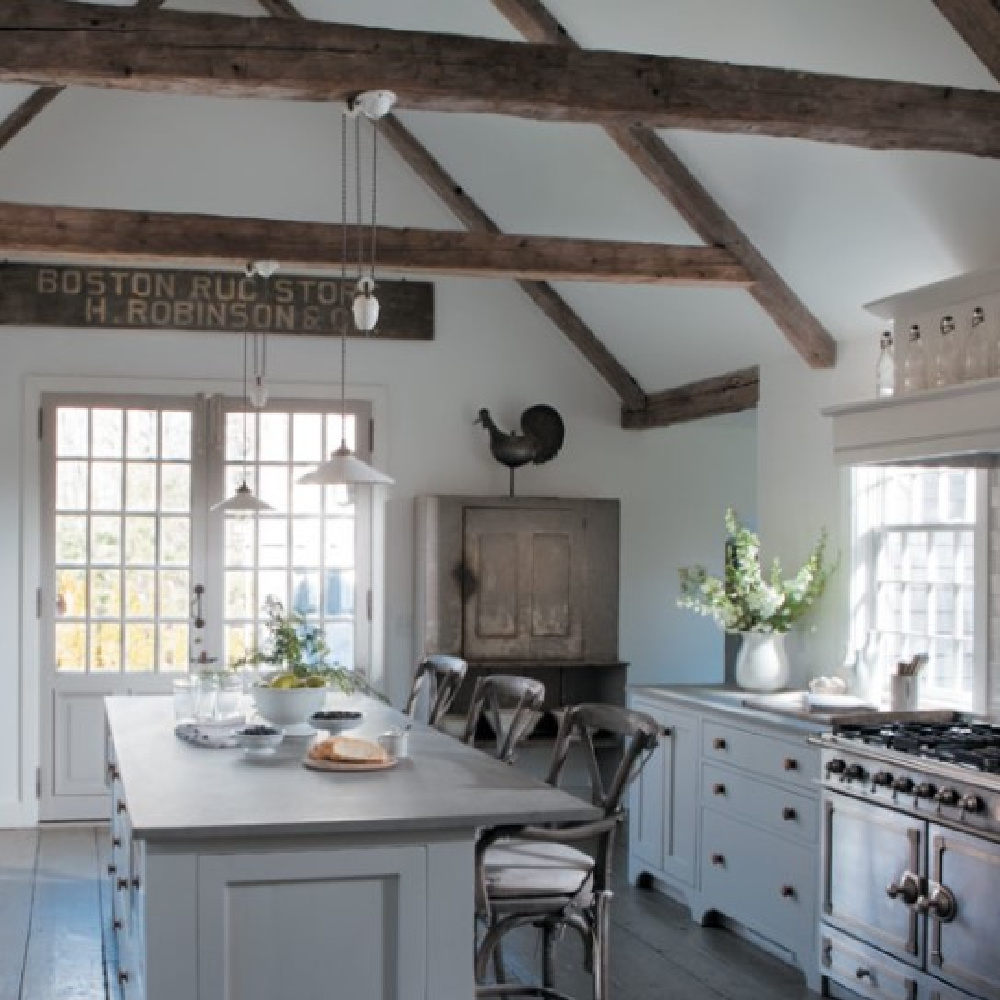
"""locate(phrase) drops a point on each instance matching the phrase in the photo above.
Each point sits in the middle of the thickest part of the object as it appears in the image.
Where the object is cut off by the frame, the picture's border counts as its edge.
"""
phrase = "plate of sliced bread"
(347, 753)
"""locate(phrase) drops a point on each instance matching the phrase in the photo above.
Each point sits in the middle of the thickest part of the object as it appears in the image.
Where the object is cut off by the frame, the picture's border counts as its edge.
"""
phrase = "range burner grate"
(973, 744)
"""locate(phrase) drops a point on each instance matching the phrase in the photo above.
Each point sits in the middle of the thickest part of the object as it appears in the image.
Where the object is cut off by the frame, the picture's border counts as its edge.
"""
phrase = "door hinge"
(38, 602)
(371, 435)
(369, 603)
(38, 782)
(41, 422)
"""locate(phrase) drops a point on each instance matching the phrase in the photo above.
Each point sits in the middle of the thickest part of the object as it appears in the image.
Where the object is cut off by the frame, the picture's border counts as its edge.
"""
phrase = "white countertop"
(177, 791)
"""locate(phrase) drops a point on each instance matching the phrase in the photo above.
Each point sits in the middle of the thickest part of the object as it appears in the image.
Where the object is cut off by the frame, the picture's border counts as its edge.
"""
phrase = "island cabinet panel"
(726, 817)
(354, 918)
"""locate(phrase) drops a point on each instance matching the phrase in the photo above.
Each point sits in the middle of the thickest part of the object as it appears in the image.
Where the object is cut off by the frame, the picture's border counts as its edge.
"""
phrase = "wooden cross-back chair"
(539, 875)
(440, 676)
(511, 705)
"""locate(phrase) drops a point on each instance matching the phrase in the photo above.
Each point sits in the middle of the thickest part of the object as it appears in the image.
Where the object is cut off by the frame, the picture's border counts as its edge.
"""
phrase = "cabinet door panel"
(525, 584)
(645, 821)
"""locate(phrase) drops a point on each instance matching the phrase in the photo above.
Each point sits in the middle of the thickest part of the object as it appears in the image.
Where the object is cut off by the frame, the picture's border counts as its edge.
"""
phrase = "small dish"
(258, 739)
(334, 722)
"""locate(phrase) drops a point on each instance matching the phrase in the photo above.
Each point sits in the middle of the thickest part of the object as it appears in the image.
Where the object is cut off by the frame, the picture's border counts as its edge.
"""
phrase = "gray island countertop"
(178, 791)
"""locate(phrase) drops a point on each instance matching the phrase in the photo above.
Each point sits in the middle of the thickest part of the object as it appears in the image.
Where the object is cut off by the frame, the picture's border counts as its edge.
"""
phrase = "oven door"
(868, 848)
(964, 896)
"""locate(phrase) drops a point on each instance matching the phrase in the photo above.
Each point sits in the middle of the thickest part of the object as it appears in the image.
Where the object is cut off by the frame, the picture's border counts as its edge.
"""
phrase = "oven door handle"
(908, 888)
(939, 902)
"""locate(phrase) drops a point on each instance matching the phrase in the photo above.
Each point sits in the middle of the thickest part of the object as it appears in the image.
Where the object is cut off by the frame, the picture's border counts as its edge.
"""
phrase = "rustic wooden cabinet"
(525, 585)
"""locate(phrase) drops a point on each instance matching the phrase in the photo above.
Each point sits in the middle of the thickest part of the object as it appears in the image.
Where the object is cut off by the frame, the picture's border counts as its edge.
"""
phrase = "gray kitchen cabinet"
(663, 813)
(725, 818)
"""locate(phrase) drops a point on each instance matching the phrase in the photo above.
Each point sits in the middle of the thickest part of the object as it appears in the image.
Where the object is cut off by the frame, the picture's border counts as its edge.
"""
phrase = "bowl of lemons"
(287, 699)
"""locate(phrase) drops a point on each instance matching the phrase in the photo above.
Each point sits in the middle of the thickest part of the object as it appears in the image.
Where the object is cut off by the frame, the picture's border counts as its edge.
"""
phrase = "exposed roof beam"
(31, 107)
(54, 43)
(665, 171)
(731, 393)
(978, 22)
(98, 234)
(541, 293)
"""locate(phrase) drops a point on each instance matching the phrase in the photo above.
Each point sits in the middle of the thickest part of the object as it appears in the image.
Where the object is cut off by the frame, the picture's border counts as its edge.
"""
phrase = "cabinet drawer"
(866, 971)
(789, 760)
(763, 882)
(778, 808)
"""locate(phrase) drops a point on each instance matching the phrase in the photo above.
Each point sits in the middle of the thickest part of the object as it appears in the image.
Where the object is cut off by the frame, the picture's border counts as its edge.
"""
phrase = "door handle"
(940, 903)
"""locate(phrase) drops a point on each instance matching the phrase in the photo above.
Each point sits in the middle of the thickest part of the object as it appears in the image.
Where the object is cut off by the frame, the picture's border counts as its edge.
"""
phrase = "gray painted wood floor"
(54, 922)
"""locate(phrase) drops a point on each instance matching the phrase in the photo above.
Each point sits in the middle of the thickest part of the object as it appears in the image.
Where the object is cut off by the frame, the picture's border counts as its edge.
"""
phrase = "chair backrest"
(637, 734)
(511, 705)
(441, 675)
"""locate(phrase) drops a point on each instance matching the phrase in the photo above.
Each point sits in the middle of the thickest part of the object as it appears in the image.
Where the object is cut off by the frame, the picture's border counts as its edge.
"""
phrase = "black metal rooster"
(541, 438)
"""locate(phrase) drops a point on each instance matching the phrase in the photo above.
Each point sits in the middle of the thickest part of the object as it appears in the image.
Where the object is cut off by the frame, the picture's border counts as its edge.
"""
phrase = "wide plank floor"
(54, 934)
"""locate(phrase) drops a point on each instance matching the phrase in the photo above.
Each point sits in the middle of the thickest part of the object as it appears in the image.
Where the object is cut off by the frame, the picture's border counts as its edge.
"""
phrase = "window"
(918, 567)
(129, 485)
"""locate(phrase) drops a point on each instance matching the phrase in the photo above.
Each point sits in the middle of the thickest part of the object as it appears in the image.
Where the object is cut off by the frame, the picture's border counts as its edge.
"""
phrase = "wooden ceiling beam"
(31, 107)
(978, 23)
(731, 393)
(55, 43)
(692, 201)
(143, 237)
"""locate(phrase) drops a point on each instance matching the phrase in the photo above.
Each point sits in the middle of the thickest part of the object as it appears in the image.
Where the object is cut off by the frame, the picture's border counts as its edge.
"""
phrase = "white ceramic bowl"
(288, 706)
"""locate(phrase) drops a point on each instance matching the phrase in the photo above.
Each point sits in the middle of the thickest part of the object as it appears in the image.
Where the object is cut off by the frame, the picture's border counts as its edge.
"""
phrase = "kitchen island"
(241, 878)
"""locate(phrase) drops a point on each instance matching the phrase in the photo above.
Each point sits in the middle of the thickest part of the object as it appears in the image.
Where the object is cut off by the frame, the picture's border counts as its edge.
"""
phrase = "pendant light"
(258, 387)
(243, 501)
(344, 467)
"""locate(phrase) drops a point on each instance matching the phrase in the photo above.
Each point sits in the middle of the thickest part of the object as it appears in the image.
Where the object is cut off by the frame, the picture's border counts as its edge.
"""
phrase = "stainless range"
(911, 858)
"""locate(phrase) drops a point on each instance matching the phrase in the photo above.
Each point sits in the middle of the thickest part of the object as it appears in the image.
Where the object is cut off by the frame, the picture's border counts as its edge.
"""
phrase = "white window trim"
(30, 529)
(863, 519)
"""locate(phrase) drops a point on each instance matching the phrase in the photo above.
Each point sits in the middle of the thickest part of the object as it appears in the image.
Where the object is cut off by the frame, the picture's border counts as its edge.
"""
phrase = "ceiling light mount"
(373, 104)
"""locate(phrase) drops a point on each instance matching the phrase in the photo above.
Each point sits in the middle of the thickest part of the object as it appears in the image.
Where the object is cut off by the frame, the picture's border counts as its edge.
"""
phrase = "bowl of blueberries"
(258, 739)
(335, 722)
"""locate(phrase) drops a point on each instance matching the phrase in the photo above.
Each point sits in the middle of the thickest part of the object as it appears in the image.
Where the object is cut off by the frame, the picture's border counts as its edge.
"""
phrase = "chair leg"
(548, 954)
(602, 934)
(499, 971)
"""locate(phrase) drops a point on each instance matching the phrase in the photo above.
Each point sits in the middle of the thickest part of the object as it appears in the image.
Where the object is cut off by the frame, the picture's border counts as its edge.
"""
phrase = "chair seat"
(519, 869)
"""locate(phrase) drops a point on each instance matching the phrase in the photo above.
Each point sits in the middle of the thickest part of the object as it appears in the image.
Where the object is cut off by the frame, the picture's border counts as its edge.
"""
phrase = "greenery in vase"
(300, 651)
(747, 600)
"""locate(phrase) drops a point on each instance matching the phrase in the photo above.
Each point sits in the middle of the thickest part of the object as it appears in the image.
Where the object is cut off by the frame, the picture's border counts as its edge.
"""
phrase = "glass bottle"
(977, 347)
(885, 368)
(914, 363)
(944, 358)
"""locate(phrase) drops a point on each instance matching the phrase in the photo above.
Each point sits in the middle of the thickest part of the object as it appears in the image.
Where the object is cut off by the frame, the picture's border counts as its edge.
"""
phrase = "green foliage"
(297, 647)
(747, 599)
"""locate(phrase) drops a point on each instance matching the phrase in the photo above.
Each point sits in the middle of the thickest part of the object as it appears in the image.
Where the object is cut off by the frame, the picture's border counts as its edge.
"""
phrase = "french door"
(141, 578)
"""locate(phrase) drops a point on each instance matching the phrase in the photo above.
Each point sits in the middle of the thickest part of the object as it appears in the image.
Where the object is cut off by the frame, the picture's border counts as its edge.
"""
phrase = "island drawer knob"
(117, 925)
(719, 860)
(112, 869)
(788, 814)
(121, 807)
(791, 764)
(788, 892)
(719, 743)
(123, 884)
(136, 883)
(719, 789)
(116, 841)
(123, 977)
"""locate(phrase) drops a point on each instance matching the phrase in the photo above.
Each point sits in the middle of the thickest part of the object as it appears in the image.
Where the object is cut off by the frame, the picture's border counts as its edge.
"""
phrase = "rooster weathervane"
(541, 437)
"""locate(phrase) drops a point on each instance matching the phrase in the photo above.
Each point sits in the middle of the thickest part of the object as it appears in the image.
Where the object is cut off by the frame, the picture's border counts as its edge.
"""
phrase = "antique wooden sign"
(161, 299)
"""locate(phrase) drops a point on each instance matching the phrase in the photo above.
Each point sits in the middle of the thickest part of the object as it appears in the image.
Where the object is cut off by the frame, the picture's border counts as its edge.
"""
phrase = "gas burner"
(959, 741)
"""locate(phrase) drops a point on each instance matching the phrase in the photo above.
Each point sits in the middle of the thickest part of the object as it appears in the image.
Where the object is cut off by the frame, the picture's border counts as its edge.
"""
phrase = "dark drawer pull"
(112, 869)
(123, 884)
(116, 841)
(719, 860)
(121, 807)
(791, 764)
(719, 789)
(136, 883)
(864, 974)
(788, 892)
(788, 814)
(719, 743)
(123, 978)
(117, 925)
(113, 772)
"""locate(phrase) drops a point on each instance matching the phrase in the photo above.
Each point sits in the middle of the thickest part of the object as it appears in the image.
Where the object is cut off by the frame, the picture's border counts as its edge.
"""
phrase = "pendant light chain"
(374, 194)
(342, 298)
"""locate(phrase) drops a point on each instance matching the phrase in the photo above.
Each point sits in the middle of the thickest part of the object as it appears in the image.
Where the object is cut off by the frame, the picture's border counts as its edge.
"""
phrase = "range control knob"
(882, 779)
(925, 790)
(855, 772)
(904, 785)
(973, 804)
(836, 766)
(949, 797)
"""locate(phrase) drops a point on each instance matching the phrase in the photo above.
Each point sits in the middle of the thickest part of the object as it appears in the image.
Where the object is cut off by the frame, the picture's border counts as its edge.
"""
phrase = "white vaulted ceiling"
(843, 226)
